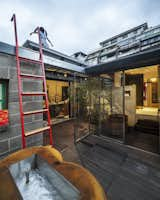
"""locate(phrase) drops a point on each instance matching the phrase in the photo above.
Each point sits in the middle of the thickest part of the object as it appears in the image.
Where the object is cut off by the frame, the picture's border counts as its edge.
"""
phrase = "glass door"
(99, 106)
(112, 117)
(81, 109)
(159, 103)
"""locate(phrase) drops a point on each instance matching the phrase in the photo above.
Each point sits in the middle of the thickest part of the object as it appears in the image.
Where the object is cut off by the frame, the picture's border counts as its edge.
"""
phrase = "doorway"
(112, 121)
(143, 112)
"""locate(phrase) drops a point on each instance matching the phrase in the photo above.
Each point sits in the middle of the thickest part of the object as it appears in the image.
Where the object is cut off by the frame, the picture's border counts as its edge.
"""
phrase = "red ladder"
(21, 93)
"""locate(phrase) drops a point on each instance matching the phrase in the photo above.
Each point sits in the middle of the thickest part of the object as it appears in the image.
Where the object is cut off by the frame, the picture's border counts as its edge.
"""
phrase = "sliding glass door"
(159, 103)
(99, 105)
(112, 122)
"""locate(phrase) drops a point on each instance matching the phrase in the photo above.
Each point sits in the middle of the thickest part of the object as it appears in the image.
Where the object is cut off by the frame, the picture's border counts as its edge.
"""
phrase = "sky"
(75, 25)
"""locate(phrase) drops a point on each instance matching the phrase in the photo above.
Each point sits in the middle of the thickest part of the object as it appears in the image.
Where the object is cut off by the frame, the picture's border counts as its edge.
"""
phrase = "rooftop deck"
(121, 175)
(124, 172)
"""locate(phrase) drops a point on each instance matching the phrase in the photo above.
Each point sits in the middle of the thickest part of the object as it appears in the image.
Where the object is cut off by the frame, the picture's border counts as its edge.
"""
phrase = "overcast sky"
(75, 25)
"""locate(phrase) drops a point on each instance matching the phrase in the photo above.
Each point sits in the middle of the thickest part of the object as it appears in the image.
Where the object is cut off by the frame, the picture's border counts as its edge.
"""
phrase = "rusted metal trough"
(41, 173)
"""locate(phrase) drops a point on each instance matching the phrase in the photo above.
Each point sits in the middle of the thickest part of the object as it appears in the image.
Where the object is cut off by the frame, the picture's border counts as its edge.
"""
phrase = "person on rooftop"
(43, 36)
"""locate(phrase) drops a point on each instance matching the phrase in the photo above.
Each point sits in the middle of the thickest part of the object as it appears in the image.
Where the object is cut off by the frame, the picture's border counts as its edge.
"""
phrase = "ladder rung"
(32, 93)
(31, 76)
(30, 60)
(35, 112)
(38, 130)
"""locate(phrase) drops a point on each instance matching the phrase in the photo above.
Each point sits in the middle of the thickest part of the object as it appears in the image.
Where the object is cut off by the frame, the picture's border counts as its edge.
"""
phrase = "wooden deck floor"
(125, 173)
(122, 177)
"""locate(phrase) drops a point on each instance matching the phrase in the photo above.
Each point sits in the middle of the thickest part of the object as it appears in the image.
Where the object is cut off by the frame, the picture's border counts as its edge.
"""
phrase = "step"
(35, 131)
(30, 60)
(148, 130)
(33, 93)
(88, 142)
(35, 112)
(31, 76)
(147, 122)
(149, 126)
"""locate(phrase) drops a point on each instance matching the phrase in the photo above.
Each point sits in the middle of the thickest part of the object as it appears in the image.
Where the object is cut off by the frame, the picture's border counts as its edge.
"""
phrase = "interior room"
(146, 81)
(144, 131)
(58, 97)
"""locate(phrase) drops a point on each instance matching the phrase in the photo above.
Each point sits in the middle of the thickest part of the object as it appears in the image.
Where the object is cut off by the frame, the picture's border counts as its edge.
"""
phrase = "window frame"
(113, 41)
(124, 36)
(4, 99)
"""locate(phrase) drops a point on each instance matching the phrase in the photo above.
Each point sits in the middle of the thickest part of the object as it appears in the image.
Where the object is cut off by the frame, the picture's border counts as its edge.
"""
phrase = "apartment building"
(135, 40)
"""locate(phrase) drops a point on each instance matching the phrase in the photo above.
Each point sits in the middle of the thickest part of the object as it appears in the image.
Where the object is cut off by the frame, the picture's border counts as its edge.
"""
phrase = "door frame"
(158, 114)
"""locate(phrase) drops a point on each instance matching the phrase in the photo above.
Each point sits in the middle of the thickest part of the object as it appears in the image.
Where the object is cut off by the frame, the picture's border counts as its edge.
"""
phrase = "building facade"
(128, 99)
(135, 40)
(61, 71)
(107, 93)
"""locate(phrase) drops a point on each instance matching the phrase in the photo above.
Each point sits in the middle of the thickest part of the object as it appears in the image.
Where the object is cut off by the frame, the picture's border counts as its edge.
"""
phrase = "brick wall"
(10, 136)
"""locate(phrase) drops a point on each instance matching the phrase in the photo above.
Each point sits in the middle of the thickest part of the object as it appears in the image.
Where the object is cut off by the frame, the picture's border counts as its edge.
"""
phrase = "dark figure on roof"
(43, 36)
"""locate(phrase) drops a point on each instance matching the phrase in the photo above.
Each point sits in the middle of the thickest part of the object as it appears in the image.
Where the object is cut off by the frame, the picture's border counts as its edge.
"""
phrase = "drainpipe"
(124, 120)
(74, 107)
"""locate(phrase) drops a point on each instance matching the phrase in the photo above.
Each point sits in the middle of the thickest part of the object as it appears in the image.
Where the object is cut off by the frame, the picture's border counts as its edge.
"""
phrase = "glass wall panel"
(159, 103)
(112, 106)
(99, 105)
(58, 96)
(86, 107)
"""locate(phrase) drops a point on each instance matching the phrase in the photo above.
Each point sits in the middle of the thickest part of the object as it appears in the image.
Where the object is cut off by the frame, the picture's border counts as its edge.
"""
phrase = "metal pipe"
(74, 107)
(124, 119)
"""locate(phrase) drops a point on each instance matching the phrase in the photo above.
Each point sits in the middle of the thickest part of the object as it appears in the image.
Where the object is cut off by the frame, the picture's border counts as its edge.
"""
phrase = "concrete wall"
(10, 136)
(130, 102)
(130, 99)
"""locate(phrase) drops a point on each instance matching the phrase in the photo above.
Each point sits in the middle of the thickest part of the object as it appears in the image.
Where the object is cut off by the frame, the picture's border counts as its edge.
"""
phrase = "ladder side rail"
(19, 82)
(45, 88)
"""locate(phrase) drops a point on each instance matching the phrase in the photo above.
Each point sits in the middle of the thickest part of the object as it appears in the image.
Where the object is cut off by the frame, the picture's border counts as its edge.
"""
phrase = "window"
(3, 103)
(135, 32)
(145, 42)
(125, 36)
(106, 44)
(111, 55)
(58, 96)
(114, 41)
(103, 58)
(152, 40)
(3, 95)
